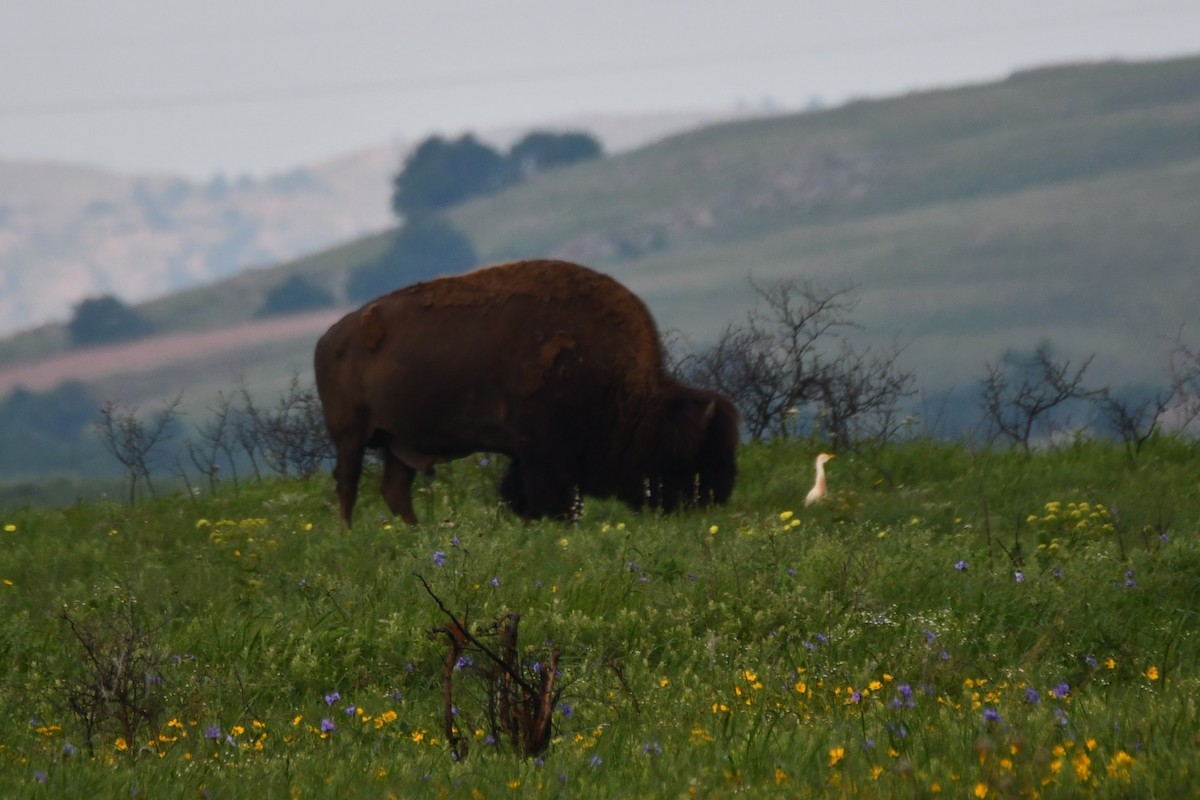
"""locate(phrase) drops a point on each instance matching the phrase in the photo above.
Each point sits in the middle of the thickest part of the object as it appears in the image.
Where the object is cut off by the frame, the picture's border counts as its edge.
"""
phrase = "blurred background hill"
(1057, 206)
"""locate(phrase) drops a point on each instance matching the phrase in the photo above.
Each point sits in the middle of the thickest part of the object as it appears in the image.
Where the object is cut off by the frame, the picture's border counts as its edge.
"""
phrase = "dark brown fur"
(552, 364)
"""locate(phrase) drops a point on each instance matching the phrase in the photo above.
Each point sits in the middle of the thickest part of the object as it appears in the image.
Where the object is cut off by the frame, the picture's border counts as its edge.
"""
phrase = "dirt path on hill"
(146, 354)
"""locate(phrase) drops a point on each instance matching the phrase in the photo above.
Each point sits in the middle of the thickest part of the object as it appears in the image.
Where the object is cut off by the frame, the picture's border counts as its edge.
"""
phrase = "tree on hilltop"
(540, 151)
(442, 173)
(105, 320)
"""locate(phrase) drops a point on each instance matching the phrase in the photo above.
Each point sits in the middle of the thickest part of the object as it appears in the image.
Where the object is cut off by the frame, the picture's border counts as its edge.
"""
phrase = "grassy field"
(970, 625)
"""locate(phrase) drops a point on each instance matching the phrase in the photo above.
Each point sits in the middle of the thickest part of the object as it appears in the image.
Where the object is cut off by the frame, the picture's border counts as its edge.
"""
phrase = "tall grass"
(979, 625)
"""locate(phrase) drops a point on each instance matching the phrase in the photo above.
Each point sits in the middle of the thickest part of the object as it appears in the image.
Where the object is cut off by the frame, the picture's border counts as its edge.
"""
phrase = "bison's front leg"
(535, 491)
(397, 486)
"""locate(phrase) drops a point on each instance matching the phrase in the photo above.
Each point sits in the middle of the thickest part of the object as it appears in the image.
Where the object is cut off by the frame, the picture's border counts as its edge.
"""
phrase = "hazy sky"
(232, 86)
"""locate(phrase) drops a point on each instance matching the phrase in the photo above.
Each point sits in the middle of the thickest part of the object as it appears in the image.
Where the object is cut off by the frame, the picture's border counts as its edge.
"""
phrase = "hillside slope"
(1059, 205)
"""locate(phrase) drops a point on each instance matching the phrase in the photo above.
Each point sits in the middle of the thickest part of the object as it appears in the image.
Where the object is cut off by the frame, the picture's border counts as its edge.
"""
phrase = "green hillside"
(1058, 205)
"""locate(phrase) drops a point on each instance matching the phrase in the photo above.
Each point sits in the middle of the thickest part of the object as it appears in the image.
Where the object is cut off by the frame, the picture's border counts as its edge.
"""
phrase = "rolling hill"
(1058, 205)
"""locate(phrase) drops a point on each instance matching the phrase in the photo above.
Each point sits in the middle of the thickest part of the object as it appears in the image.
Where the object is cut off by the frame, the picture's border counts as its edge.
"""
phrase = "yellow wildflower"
(836, 754)
(1120, 765)
(1152, 673)
(784, 516)
(1083, 766)
(10, 527)
(981, 790)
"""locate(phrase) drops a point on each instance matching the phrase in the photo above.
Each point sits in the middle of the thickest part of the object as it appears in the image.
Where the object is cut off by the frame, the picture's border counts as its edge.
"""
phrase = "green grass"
(762, 646)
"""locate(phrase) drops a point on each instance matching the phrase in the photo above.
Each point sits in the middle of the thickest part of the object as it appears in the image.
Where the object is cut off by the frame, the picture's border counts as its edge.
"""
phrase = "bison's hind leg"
(346, 473)
(397, 486)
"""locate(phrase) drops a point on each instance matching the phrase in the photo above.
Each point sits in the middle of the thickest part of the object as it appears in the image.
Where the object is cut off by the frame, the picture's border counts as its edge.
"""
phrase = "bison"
(552, 364)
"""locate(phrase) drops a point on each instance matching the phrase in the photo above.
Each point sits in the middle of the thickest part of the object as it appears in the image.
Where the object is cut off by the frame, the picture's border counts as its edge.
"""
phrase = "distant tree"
(440, 173)
(48, 431)
(103, 320)
(539, 151)
(294, 295)
(423, 249)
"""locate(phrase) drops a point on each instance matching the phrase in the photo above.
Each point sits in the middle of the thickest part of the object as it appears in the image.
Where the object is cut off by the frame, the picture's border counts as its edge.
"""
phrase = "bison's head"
(690, 455)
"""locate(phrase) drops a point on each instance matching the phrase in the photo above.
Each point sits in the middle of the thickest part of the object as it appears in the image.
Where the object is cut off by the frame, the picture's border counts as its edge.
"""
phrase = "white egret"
(820, 488)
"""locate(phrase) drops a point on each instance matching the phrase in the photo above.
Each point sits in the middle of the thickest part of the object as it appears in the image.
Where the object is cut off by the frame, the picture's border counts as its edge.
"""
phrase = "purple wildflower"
(991, 715)
(463, 661)
(930, 636)
(1032, 697)
(1019, 576)
(332, 698)
(596, 761)
(1129, 581)
(652, 749)
(1061, 690)
(961, 566)
(327, 725)
(39, 776)
(212, 732)
(566, 709)
(351, 711)
(1061, 716)
(496, 582)
(439, 557)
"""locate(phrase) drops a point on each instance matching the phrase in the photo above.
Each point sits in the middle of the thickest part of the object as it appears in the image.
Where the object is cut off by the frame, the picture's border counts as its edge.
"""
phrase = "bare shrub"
(518, 698)
(1184, 366)
(791, 368)
(1026, 397)
(290, 436)
(216, 442)
(117, 690)
(1134, 418)
(134, 441)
